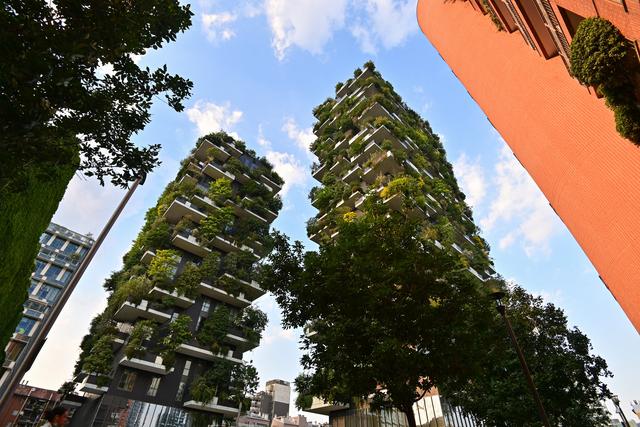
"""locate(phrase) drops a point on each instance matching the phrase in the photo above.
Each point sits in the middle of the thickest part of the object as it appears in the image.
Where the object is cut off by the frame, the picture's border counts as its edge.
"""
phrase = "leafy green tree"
(567, 375)
(220, 190)
(215, 328)
(52, 92)
(253, 323)
(163, 266)
(213, 382)
(391, 313)
(179, 333)
(100, 359)
(144, 330)
(215, 223)
(244, 383)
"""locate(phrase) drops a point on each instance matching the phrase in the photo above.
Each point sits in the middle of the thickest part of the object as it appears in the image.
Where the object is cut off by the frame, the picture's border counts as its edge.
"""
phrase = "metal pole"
(42, 332)
(616, 403)
(523, 363)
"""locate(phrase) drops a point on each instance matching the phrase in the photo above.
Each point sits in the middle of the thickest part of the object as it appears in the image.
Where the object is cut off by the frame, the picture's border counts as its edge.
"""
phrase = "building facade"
(27, 406)
(280, 394)
(370, 145)
(168, 346)
(61, 251)
(561, 132)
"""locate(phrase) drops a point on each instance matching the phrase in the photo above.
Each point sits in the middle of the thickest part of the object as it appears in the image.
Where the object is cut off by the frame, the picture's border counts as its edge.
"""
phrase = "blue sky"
(258, 69)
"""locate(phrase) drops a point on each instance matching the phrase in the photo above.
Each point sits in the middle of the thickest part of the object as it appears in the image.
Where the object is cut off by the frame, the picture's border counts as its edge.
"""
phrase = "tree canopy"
(390, 311)
(55, 90)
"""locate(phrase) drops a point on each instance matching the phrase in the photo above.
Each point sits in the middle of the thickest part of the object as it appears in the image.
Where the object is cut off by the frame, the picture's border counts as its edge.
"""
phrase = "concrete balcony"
(177, 299)
(375, 111)
(128, 312)
(319, 173)
(154, 367)
(244, 213)
(186, 178)
(215, 171)
(147, 257)
(182, 208)
(90, 385)
(275, 186)
(397, 203)
(8, 364)
(221, 295)
(319, 406)
(238, 340)
(187, 242)
(369, 150)
(383, 165)
(340, 166)
(204, 354)
(213, 406)
(384, 134)
(352, 175)
(219, 152)
(269, 215)
(351, 200)
(252, 289)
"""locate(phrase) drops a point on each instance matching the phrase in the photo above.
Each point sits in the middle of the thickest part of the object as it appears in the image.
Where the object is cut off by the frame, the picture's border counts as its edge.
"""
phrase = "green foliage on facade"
(26, 208)
(214, 330)
(143, 331)
(212, 383)
(100, 359)
(603, 58)
(163, 266)
(253, 323)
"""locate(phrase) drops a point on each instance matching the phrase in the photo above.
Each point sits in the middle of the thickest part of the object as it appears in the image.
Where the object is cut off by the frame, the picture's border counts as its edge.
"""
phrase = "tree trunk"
(411, 418)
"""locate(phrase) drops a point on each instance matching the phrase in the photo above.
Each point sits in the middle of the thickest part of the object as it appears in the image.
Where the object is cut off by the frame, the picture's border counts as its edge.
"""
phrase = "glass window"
(53, 271)
(70, 248)
(127, 380)
(49, 293)
(57, 243)
(153, 388)
(206, 305)
(44, 238)
(32, 287)
(39, 266)
(180, 390)
(25, 326)
(66, 276)
(83, 251)
(37, 306)
(13, 350)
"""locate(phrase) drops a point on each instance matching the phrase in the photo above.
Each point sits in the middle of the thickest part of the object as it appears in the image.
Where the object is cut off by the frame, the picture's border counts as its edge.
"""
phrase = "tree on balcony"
(179, 333)
(215, 223)
(214, 330)
(253, 322)
(100, 359)
(214, 382)
(144, 330)
(243, 385)
(220, 190)
(163, 266)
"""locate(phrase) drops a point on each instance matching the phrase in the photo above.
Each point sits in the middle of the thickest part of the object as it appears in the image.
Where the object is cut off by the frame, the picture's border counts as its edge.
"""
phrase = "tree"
(179, 333)
(66, 389)
(244, 383)
(53, 94)
(391, 313)
(567, 375)
(100, 359)
(214, 329)
(213, 382)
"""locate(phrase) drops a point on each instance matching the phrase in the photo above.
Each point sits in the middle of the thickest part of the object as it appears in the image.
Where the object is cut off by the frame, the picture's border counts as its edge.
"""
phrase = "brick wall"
(564, 136)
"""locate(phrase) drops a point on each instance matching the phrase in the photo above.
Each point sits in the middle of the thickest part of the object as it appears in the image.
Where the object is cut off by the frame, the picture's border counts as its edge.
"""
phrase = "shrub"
(214, 329)
(598, 53)
(143, 331)
(179, 333)
(100, 358)
(628, 122)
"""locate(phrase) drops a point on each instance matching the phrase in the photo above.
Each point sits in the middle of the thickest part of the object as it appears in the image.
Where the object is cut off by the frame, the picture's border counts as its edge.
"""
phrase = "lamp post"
(616, 403)
(498, 295)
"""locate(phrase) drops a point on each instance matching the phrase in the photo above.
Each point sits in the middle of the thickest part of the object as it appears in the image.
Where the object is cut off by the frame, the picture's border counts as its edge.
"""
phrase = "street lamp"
(616, 403)
(498, 295)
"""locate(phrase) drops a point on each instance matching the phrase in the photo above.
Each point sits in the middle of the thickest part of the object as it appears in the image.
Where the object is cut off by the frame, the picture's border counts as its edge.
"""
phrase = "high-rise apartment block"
(61, 251)
(563, 134)
(369, 143)
(274, 401)
(179, 317)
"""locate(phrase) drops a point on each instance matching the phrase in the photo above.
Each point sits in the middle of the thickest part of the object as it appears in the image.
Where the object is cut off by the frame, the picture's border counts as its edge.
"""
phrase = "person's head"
(56, 416)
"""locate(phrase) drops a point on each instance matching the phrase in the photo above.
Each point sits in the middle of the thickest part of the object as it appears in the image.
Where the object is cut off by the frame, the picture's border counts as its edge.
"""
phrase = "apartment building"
(179, 317)
(61, 251)
(517, 68)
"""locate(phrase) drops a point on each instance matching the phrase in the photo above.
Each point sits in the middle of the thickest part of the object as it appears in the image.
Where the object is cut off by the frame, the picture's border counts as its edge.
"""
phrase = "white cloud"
(522, 205)
(289, 168)
(302, 137)
(307, 24)
(471, 178)
(364, 38)
(276, 333)
(217, 25)
(392, 21)
(210, 117)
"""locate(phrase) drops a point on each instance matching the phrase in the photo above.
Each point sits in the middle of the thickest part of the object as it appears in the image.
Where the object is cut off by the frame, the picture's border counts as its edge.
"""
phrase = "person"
(56, 417)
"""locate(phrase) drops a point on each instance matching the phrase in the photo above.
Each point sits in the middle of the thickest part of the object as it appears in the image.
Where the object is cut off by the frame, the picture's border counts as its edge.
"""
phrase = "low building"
(28, 404)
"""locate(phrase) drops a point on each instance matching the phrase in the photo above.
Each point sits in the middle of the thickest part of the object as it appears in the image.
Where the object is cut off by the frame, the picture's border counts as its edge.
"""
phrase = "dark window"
(127, 380)
(83, 251)
(44, 238)
(71, 248)
(49, 293)
(53, 271)
(25, 326)
(32, 286)
(39, 266)
(66, 276)
(57, 243)
(153, 387)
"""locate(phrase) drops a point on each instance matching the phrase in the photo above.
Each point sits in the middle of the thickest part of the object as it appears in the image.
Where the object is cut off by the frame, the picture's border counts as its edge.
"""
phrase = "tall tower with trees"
(395, 301)
(179, 315)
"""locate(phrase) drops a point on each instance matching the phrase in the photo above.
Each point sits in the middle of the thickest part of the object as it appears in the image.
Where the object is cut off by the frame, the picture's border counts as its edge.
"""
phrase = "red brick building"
(562, 133)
